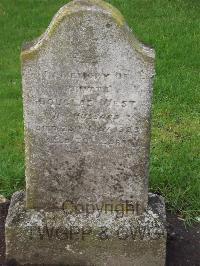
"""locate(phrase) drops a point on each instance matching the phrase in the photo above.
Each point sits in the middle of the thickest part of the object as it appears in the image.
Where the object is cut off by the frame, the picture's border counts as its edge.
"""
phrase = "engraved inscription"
(87, 97)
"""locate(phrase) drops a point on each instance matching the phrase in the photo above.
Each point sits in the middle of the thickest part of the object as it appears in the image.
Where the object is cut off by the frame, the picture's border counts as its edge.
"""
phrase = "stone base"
(109, 239)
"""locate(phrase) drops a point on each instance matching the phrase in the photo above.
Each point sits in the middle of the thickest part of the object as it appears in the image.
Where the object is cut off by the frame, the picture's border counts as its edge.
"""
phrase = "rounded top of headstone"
(30, 49)
(99, 5)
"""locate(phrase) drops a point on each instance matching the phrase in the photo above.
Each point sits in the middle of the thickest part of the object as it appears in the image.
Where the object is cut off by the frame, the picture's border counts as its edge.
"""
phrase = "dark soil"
(183, 244)
(3, 214)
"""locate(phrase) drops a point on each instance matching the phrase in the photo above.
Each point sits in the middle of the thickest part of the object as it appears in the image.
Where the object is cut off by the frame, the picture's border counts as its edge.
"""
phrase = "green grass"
(173, 29)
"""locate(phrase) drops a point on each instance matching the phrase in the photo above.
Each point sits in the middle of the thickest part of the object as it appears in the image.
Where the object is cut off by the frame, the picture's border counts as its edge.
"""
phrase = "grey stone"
(60, 238)
(87, 86)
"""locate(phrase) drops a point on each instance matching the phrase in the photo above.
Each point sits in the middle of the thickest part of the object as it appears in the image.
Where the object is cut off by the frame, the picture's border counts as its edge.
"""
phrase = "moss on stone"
(30, 50)
(116, 14)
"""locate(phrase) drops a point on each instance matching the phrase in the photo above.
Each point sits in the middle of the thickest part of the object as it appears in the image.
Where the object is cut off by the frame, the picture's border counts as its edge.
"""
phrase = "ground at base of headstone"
(182, 242)
(57, 237)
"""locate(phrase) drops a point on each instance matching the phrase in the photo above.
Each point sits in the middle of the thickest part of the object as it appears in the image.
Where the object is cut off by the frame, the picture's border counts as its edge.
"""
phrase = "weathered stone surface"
(58, 238)
(87, 85)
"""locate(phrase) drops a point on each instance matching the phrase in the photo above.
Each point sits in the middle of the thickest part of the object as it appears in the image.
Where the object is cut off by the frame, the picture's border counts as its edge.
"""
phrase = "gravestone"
(87, 88)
